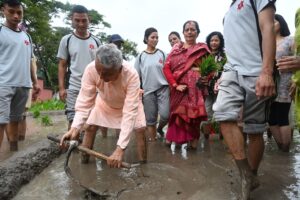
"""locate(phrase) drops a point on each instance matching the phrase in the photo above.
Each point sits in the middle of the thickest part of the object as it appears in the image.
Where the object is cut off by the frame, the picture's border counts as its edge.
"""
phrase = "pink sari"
(187, 109)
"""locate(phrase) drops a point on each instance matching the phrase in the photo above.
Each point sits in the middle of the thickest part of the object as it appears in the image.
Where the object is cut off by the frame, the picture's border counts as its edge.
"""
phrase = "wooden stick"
(89, 151)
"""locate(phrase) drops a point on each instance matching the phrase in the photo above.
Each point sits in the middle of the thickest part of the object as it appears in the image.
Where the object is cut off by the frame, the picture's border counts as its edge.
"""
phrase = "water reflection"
(208, 173)
(293, 190)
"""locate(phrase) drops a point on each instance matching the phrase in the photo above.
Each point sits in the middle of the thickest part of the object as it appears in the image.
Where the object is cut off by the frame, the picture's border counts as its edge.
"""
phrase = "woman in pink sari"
(187, 108)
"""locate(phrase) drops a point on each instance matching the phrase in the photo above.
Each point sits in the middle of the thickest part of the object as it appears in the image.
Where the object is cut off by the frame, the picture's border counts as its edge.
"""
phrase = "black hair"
(148, 32)
(196, 24)
(79, 9)
(175, 33)
(11, 3)
(208, 38)
(284, 29)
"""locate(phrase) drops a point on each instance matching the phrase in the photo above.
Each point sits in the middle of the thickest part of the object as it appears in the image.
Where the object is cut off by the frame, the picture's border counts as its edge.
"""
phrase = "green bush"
(52, 104)
(36, 113)
(46, 120)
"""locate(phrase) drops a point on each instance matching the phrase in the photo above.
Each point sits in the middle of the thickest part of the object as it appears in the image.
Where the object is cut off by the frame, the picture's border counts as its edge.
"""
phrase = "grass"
(52, 104)
(46, 120)
(49, 105)
(208, 65)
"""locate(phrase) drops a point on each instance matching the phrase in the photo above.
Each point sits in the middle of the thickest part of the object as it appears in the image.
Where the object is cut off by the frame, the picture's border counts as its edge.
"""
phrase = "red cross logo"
(92, 46)
(241, 5)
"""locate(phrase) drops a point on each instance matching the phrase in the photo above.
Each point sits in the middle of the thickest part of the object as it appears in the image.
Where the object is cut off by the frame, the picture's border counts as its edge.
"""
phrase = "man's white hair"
(110, 56)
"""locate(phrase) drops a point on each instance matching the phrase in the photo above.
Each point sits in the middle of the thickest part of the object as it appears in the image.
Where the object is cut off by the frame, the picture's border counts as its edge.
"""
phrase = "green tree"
(129, 49)
(38, 16)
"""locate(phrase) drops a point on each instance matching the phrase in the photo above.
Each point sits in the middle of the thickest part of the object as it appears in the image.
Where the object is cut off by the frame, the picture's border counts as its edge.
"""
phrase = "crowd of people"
(102, 90)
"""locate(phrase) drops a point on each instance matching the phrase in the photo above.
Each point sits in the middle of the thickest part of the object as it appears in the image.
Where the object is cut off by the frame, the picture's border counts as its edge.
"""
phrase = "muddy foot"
(13, 146)
(255, 183)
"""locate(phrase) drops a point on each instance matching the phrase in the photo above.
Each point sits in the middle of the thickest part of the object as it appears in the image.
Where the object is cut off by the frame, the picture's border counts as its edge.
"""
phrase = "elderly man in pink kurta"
(110, 97)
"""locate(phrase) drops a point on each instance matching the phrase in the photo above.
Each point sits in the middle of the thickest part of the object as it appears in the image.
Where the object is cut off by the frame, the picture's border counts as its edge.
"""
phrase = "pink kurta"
(115, 104)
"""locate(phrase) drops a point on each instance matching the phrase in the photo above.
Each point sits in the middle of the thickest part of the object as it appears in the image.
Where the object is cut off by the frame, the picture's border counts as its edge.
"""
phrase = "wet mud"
(35, 154)
(23, 166)
(208, 173)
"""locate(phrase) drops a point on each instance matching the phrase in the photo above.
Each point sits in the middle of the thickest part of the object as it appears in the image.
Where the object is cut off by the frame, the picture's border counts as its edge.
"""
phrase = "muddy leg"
(88, 141)
(2, 128)
(194, 144)
(141, 144)
(151, 129)
(12, 135)
(22, 126)
(161, 125)
(269, 133)
(205, 129)
(235, 141)
(286, 136)
(275, 130)
(255, 153)
(246, 177)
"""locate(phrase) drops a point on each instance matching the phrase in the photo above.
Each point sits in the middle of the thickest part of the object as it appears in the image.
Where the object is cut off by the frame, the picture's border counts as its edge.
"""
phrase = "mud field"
(208, 173)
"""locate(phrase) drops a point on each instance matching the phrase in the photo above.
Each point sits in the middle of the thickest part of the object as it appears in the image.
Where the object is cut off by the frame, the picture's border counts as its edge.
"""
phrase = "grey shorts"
(236, 92)
(70, 104)
(12, 103)
(157, 103)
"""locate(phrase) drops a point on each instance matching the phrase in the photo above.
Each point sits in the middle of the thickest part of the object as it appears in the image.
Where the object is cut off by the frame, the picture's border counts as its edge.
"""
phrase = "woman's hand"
(204, 80)
(288, 64)
(181, 88)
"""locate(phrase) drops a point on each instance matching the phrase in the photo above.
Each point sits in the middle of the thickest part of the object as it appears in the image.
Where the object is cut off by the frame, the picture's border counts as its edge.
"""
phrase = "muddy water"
(208, 173)
(35, 131)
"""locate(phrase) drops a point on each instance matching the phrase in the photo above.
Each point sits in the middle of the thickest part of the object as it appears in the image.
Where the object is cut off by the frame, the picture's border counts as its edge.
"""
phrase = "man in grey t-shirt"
(246, 83)
(76, 51)
(17, 74)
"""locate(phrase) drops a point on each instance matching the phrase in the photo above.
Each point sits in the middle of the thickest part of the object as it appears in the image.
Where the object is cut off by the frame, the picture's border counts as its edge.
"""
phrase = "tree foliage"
(38, 16)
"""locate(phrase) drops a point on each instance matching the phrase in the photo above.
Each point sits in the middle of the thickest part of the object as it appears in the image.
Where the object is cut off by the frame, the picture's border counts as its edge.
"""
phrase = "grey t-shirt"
(81, 51)
(15, 58)
(149, 67)
(241, 37)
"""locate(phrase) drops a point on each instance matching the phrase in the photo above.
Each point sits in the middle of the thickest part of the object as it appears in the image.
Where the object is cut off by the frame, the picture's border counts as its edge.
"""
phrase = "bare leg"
(70, 124)
(161, 125)
(205, 129)
(2, 128)
(22, 126)
(269, 133)
(235, 141)
(103, 131)
(286, 137)
(194, 144)
(88, 141)
(276, 134)
(255, 150)
(12, 135)
(141, 144)
(151, 129)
